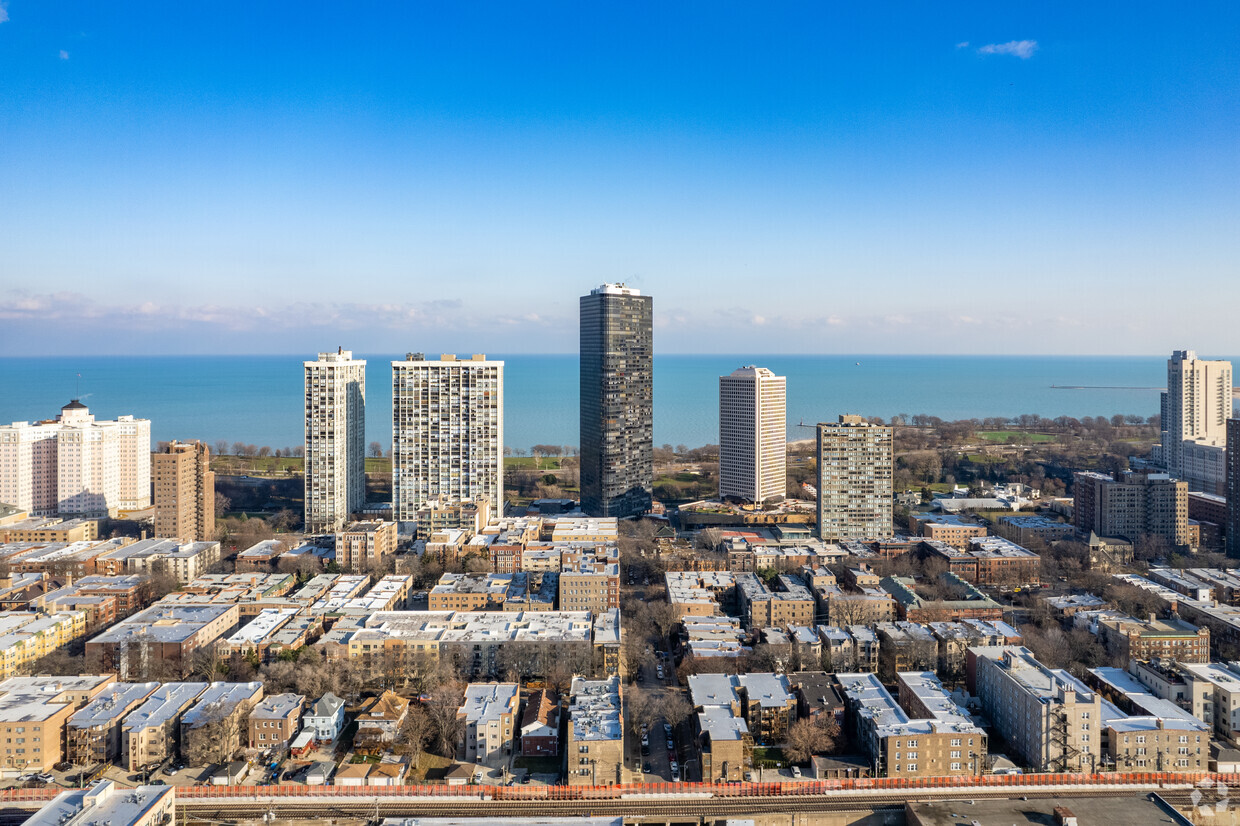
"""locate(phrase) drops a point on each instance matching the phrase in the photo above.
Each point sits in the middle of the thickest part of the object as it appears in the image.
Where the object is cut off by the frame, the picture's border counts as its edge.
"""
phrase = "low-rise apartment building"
(167, 635)
(273, 722)
(152, 733)
(107, 803)
(1155, 639)
(363, 545)
(1049, 719)
(595, 743)
(792, 604)
(489, 714)
(932, 738)
(33, 713)
(590, 586)
(222, 710)
(948, 528)
(987, 560)
(93, 734)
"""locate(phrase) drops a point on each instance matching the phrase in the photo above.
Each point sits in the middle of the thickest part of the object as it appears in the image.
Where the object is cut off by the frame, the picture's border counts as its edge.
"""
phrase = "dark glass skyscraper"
(1232, 528)
(617, 401)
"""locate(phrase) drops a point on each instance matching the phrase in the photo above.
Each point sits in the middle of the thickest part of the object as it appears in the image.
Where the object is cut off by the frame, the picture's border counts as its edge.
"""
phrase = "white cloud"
(963, 44)
(64, 55)
(4, 12)
(1023, 49)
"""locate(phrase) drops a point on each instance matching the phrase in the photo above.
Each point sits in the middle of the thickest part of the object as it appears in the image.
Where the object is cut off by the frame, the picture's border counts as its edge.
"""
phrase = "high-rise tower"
(447, 432)
(1195, 410)
(753, 434)
(854, 479)
(184, 492)
(335, 440)
(617, 401)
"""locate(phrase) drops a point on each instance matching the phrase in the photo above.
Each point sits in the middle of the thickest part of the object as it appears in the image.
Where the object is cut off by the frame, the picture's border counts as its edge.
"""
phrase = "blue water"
(258, 399)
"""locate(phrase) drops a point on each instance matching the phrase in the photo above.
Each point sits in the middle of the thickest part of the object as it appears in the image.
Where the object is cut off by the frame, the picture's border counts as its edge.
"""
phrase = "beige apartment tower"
(854, 479)
(753, 434)
(447, 432)
(335, 440)
(184, 492)
(1195, 409)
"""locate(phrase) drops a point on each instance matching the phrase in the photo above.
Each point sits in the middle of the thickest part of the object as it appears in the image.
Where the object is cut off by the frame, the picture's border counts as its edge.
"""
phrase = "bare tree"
(675, 709)
(221, 447)
(415, 732)
(264, 451)
(376, 450)
(811, 736)
(442, 706)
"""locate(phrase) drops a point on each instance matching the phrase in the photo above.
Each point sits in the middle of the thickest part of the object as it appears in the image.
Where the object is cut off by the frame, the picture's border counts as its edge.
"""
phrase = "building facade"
(184, 492)
(1135, 505)
(335, 409)
(362, 545)
(447, 432)
(1232, 528)
(617, 401)
(1195, 409)
(753, 434)
(1048, 718)
(74, 465)
(854, 479)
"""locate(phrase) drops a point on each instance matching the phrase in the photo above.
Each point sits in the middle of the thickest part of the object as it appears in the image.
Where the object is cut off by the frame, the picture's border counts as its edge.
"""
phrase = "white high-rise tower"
(335, 440)
(1195, 410)
(447, 432)
(753, 434)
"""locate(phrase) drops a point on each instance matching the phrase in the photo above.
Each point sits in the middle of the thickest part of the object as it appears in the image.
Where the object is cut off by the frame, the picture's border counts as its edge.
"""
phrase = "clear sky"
(991, 177)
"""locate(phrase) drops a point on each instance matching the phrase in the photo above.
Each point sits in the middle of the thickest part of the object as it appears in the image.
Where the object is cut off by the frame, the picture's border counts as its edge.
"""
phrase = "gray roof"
(278, 706)
(165, 704)
(109, 706)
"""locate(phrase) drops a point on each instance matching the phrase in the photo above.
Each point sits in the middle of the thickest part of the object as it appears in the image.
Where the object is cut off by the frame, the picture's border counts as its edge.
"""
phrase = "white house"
(325, 718)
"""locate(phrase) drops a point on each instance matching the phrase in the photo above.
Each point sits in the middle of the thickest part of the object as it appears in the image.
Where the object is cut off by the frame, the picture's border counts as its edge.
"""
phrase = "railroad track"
(660, 808)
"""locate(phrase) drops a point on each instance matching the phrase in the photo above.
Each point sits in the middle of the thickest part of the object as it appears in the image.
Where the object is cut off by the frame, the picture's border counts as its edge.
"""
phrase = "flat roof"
(109, 706)
(485, 702)
(1131, 811)
(163, 705)
(105, 803)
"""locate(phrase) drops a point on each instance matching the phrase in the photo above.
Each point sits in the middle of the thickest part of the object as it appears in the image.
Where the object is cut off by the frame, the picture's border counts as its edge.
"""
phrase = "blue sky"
(821, 177)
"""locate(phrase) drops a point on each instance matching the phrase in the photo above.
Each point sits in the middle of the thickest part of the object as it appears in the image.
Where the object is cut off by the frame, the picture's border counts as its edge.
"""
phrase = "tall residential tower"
(753, 435)
(184, 492)
(74, 465)
(1195, 410)
(617, 401)
(335, 440)
(447, 432)
(854, 479)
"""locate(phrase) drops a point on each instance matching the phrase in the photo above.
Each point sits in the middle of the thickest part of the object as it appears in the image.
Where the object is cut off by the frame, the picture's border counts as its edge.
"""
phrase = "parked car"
(667, 729)
(670, 745)
(796, 771)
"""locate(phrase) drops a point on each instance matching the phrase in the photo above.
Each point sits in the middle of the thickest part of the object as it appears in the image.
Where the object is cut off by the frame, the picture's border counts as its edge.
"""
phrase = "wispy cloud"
(963, 44)
(21, 306)
(64, 55)
(1023, 49)
(4, 12)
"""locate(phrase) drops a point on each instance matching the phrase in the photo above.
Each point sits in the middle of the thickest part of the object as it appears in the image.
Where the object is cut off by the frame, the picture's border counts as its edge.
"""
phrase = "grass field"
(983, 459)
(282, 466)
(546, 463)
(1005, 436)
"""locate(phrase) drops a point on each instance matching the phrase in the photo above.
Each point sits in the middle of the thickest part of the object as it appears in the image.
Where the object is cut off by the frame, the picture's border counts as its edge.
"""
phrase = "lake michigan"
(258, 399)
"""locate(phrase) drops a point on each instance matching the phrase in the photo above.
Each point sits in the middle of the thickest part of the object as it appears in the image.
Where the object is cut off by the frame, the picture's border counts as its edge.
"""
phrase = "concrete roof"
(163, 705)
(105, 803)
(114, 702)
